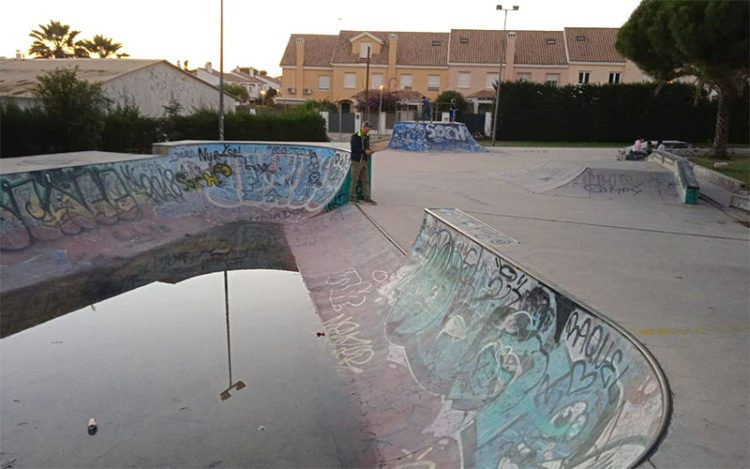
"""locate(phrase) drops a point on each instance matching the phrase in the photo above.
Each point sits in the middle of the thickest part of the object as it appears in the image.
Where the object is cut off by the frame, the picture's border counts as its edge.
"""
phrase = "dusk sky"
(256, 33)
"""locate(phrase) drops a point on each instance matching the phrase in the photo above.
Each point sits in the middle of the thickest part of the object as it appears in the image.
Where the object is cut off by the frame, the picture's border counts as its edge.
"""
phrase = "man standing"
(361, 152)
(426, 109)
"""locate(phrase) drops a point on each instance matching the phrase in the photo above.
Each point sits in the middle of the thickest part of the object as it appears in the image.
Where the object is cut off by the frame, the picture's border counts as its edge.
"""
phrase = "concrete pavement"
(676, 276)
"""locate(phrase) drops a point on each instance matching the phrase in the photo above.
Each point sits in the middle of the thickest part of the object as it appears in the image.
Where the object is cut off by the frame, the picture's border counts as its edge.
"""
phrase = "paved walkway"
(674, 275)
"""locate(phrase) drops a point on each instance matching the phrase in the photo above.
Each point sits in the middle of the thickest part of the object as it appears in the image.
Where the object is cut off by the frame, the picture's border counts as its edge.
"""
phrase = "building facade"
(334, 67)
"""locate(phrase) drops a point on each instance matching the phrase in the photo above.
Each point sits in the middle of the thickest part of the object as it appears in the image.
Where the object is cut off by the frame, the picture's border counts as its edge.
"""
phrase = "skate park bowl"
(457, 355)
(433, 137)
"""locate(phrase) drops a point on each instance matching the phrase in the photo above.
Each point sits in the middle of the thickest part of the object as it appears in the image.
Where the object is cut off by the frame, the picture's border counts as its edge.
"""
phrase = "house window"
(324, 82)
(436, 43)
(364, 49)
(523, 76)
(583, 78)
(580, 38)
(464, 79)
(552, 79)
(491, 79)
(433, 83)
(550, 41)
(614, 78)
(406, 81)
(464, 40)
(377, 80)
(350, 80)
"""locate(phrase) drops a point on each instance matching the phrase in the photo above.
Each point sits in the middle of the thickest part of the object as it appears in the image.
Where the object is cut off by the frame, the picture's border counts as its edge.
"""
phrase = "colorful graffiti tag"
(537, 379)
(433, 137)
(273, 181)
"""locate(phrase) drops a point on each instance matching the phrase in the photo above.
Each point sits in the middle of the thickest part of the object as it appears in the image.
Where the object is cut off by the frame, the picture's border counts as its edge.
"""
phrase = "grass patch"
(488, 143)
(738, 166)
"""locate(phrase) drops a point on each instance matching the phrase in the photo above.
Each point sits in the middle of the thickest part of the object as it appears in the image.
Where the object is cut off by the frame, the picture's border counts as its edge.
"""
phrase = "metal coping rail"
(382, 231)
(663, 383)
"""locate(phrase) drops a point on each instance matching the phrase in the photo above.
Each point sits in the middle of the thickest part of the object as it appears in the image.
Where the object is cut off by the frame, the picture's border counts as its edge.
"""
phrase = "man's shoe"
(370, 201)
(354, 200)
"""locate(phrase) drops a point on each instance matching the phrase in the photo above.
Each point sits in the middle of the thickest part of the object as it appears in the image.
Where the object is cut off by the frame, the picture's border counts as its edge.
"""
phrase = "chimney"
(510, 57)
(299, 80)
(392, 48)
(208, 67)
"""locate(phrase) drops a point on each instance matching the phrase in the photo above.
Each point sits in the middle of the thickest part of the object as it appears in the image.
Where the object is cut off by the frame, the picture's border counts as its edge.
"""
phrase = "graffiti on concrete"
(433, 137)
(276, 181)
(529, 377)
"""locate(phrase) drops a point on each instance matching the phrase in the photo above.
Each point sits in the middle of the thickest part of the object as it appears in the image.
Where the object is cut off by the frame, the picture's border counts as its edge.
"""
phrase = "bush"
(127, 131)
(74, 110)
(443, 101)
(610, 113)
(24, 132)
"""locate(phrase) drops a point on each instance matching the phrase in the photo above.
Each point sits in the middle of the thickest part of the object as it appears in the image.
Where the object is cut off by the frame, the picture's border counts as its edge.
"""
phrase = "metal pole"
(221, 76)
(504, 39)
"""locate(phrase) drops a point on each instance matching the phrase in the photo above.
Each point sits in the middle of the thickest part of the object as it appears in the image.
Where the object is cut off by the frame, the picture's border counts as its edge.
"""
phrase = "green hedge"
(27, 132)
(611, 113)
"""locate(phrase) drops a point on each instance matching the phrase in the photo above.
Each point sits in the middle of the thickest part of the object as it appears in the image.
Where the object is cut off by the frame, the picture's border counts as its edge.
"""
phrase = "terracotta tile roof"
(592, 45)
(414, 48)
(318, 50)
(235, 77)
(540, 48)
(474, 46)
(487, 93)
(245, 77)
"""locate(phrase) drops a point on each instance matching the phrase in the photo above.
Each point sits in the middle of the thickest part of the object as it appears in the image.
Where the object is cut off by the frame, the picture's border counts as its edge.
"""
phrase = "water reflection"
(224, 395)
(146, 365)
(229, 247)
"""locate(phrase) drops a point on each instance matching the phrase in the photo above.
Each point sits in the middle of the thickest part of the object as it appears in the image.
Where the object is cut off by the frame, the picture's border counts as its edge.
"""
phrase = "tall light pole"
(500, 74)
(221, 74)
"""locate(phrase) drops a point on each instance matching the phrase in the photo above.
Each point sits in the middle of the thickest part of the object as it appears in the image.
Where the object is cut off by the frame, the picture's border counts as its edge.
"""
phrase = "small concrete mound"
(433, 137)
(625, 181)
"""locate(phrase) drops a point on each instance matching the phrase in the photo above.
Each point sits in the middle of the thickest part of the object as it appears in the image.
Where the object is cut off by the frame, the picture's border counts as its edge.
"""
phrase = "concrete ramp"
(433, 137)
(615, 180)
(463, 358)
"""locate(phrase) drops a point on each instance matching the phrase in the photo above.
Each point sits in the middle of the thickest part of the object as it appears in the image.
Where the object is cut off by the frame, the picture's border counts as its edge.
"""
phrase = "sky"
(256, 33)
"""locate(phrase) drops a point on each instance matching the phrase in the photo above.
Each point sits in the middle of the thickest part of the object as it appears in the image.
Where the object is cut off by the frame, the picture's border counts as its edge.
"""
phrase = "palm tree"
(56, 40)
(103, 47)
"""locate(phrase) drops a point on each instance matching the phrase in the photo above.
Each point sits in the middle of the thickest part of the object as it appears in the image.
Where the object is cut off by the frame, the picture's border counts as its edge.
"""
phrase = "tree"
(238, 91)
(103, 47)
(74, 110)
(707, 39)
(444, 100)
(56, 40)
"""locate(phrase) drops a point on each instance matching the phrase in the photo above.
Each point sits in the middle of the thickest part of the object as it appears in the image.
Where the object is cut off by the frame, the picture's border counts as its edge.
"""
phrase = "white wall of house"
(154, 87)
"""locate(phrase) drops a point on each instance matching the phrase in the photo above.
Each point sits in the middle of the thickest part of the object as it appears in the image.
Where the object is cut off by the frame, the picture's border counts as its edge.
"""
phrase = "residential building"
(332, 67)
(150, 85)
(211, 76)
(268, 81)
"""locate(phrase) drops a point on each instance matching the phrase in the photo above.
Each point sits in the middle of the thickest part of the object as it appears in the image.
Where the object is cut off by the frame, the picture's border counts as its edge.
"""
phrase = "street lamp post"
(500, 74)
(380, 109)
(262, 98)
(221, 74)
